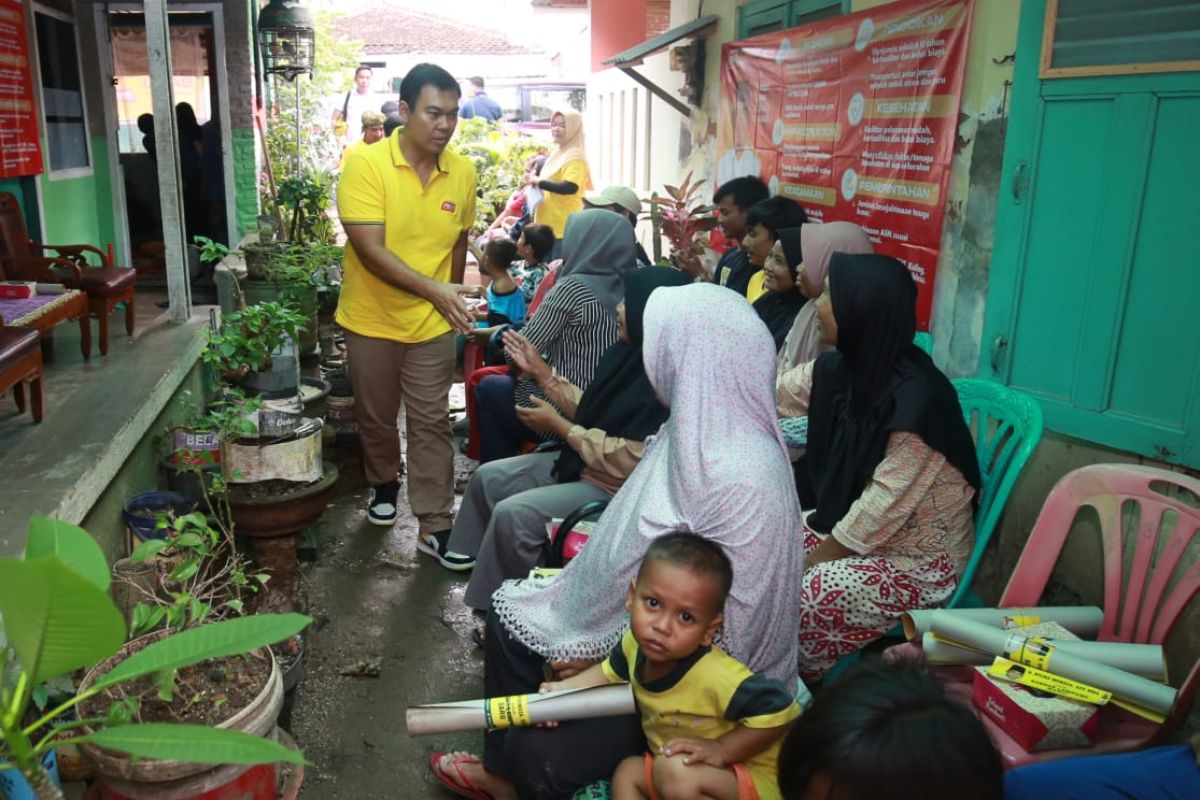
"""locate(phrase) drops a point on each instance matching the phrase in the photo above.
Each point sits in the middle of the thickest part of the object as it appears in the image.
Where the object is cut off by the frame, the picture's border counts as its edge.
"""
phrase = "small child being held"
(713, 726)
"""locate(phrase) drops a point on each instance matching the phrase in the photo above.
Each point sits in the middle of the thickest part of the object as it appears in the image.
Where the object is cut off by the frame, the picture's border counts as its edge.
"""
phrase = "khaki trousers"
(385, 374)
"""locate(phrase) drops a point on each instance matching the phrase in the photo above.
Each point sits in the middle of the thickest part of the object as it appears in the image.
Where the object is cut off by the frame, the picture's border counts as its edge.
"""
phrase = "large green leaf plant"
(56, 617)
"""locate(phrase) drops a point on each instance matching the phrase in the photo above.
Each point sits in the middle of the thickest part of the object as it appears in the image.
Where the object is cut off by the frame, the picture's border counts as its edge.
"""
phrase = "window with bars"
(1120, 37)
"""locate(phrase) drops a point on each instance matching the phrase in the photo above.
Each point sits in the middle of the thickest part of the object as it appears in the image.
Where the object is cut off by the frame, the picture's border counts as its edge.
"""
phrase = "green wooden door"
(1094, 297)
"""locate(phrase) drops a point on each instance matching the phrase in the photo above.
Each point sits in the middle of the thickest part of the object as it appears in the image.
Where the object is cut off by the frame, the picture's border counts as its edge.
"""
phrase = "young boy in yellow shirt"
(712, 725)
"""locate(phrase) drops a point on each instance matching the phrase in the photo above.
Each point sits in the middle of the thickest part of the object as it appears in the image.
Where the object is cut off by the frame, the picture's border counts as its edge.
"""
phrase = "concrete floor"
(374, 597)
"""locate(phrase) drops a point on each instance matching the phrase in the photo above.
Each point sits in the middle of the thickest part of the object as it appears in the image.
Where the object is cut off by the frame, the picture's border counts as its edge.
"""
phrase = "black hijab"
(779, 309)
(620, 400)
(876, 383)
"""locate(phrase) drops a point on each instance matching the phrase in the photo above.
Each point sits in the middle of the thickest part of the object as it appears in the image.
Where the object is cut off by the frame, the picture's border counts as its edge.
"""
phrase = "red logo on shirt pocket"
(449, 206)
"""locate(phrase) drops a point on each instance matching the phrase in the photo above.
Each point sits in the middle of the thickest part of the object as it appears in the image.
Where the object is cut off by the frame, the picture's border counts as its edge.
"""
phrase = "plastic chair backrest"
(1007, 427)
(924, 341)
(1137, 604)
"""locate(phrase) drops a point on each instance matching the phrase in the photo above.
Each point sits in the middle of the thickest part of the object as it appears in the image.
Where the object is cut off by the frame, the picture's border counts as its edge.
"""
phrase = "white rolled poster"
(520, 709)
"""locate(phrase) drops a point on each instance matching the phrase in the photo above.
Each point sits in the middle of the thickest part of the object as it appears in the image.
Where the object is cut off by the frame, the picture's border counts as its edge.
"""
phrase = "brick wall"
(658, 17)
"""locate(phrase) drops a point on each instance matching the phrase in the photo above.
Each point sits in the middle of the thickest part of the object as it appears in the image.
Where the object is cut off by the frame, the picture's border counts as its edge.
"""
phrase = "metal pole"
(296, 80)
(170, 184)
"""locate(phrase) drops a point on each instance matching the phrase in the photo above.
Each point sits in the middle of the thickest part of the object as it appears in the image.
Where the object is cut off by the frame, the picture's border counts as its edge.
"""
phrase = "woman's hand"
(544, 418)
(546, 688)
(526, 357)
(569, 669)
(698, 751)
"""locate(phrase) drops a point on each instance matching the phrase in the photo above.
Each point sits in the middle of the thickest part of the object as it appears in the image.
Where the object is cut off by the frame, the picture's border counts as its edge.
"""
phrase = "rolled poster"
(1140, 659)
(1044, 655)
(520, 709)
(1083, 621)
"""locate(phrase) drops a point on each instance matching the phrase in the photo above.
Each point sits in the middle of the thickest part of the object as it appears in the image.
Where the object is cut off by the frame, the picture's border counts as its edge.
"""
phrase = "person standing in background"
(480, 105)
(407, 205)
(356, 101)
(564, 176)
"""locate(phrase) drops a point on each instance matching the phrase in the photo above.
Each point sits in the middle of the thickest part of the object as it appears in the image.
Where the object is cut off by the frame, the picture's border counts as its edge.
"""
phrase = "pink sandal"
(464, 787)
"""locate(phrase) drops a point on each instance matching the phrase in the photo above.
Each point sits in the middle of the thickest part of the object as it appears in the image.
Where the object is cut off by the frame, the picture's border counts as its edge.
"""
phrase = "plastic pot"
(257, 719)
(141, 512)
(281, 379)
(185, 479)
(296, 459)
(195, 447)
(14, 786)
(259, 258)
(314, 393)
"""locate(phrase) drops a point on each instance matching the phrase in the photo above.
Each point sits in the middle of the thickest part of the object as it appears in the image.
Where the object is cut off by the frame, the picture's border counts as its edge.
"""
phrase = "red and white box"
(17, 290)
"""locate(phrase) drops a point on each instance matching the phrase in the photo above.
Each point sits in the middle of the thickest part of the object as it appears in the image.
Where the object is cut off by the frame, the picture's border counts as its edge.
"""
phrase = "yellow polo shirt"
(555, 208)
(422, 224)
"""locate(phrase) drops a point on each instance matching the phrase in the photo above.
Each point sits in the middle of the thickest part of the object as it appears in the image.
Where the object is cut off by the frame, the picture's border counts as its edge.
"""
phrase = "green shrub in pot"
(57, 617)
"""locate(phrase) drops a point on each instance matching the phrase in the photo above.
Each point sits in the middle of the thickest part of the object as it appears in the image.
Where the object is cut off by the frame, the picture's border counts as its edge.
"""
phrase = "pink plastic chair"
(1140, 603)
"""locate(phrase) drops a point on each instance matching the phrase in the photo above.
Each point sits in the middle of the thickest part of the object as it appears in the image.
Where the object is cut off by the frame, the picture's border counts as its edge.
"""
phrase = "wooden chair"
(25, 260)
(20, 364)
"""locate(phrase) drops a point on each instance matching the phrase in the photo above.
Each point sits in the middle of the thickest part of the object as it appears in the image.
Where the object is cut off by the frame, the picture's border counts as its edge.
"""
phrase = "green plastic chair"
(1007, 427)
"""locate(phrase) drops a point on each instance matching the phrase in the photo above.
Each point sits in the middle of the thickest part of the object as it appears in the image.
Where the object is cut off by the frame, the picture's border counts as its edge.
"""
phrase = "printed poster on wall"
(855, 118)
(20, 150)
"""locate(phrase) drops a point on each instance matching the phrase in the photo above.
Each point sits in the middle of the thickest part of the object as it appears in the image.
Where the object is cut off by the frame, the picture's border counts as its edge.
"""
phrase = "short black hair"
(695, 553)
(540, 238)
(501, 251)
(776, 213)
(391, 122)
(746, 191)
(890, 733)
(477, 81)
(423, 75)
(361, 67)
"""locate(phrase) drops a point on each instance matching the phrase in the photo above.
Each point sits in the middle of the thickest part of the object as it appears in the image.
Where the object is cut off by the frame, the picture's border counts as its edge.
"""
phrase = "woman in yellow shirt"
(564, 176)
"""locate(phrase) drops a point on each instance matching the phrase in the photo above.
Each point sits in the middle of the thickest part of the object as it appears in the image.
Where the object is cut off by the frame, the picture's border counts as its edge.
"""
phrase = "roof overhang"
(634, 56)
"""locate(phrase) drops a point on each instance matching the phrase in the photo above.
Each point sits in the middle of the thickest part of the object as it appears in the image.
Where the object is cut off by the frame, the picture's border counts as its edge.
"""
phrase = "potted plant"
(680, 217)
(254, 348)
(58, 618)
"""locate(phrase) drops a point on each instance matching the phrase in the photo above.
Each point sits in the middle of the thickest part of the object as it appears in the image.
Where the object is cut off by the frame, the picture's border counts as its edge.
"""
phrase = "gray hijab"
(598, 249)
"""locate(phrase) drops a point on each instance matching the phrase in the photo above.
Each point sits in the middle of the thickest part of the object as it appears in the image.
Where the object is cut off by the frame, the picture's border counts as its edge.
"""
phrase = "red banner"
(20, 149)
(855, 118)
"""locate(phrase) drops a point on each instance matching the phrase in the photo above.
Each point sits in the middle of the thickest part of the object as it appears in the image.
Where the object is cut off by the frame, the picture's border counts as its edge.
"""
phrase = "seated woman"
(891, 462)
(500, 530)
(572, 327)
(717, 468)
(800, 259)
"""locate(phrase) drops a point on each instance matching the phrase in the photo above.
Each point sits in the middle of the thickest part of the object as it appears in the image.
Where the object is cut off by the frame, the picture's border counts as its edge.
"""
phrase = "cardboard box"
(17, 290)
(1036, 720)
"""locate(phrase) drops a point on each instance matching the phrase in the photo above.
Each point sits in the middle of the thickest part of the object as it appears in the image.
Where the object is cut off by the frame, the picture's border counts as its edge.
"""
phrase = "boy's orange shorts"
(745, 783)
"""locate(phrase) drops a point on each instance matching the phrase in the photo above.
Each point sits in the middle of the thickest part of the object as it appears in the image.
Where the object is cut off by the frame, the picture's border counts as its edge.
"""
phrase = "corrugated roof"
(386, 29)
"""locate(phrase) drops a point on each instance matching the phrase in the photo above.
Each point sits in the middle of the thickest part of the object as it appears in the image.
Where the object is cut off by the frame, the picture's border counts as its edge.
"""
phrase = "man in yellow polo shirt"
(406, 205)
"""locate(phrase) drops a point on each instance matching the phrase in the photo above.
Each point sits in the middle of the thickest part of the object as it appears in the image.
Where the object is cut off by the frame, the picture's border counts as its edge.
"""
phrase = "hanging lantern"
(285, 35)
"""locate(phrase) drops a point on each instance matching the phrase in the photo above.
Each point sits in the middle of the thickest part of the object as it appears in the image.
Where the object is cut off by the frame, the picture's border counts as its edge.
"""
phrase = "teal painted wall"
(80, 210)
(245, 177)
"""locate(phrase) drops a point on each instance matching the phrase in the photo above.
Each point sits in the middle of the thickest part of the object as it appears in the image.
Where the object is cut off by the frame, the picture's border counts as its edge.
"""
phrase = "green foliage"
(315, 264)
(499, 157)
(210, 579)
(247, 338)
(56, 620)
(305, 198)
(210, 250)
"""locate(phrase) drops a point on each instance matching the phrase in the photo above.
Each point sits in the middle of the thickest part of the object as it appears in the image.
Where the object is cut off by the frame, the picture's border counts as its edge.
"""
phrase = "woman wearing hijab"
(801, 258)
(501, 528)
(717, 468)
(564, 176)
(891, 463)
(572, 327)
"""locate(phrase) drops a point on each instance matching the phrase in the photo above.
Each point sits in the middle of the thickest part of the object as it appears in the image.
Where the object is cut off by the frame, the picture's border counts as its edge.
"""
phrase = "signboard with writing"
(20, 150)
(855, 118)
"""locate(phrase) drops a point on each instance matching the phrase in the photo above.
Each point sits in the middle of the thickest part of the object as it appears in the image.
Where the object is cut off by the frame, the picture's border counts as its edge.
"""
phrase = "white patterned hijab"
(717, 468)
